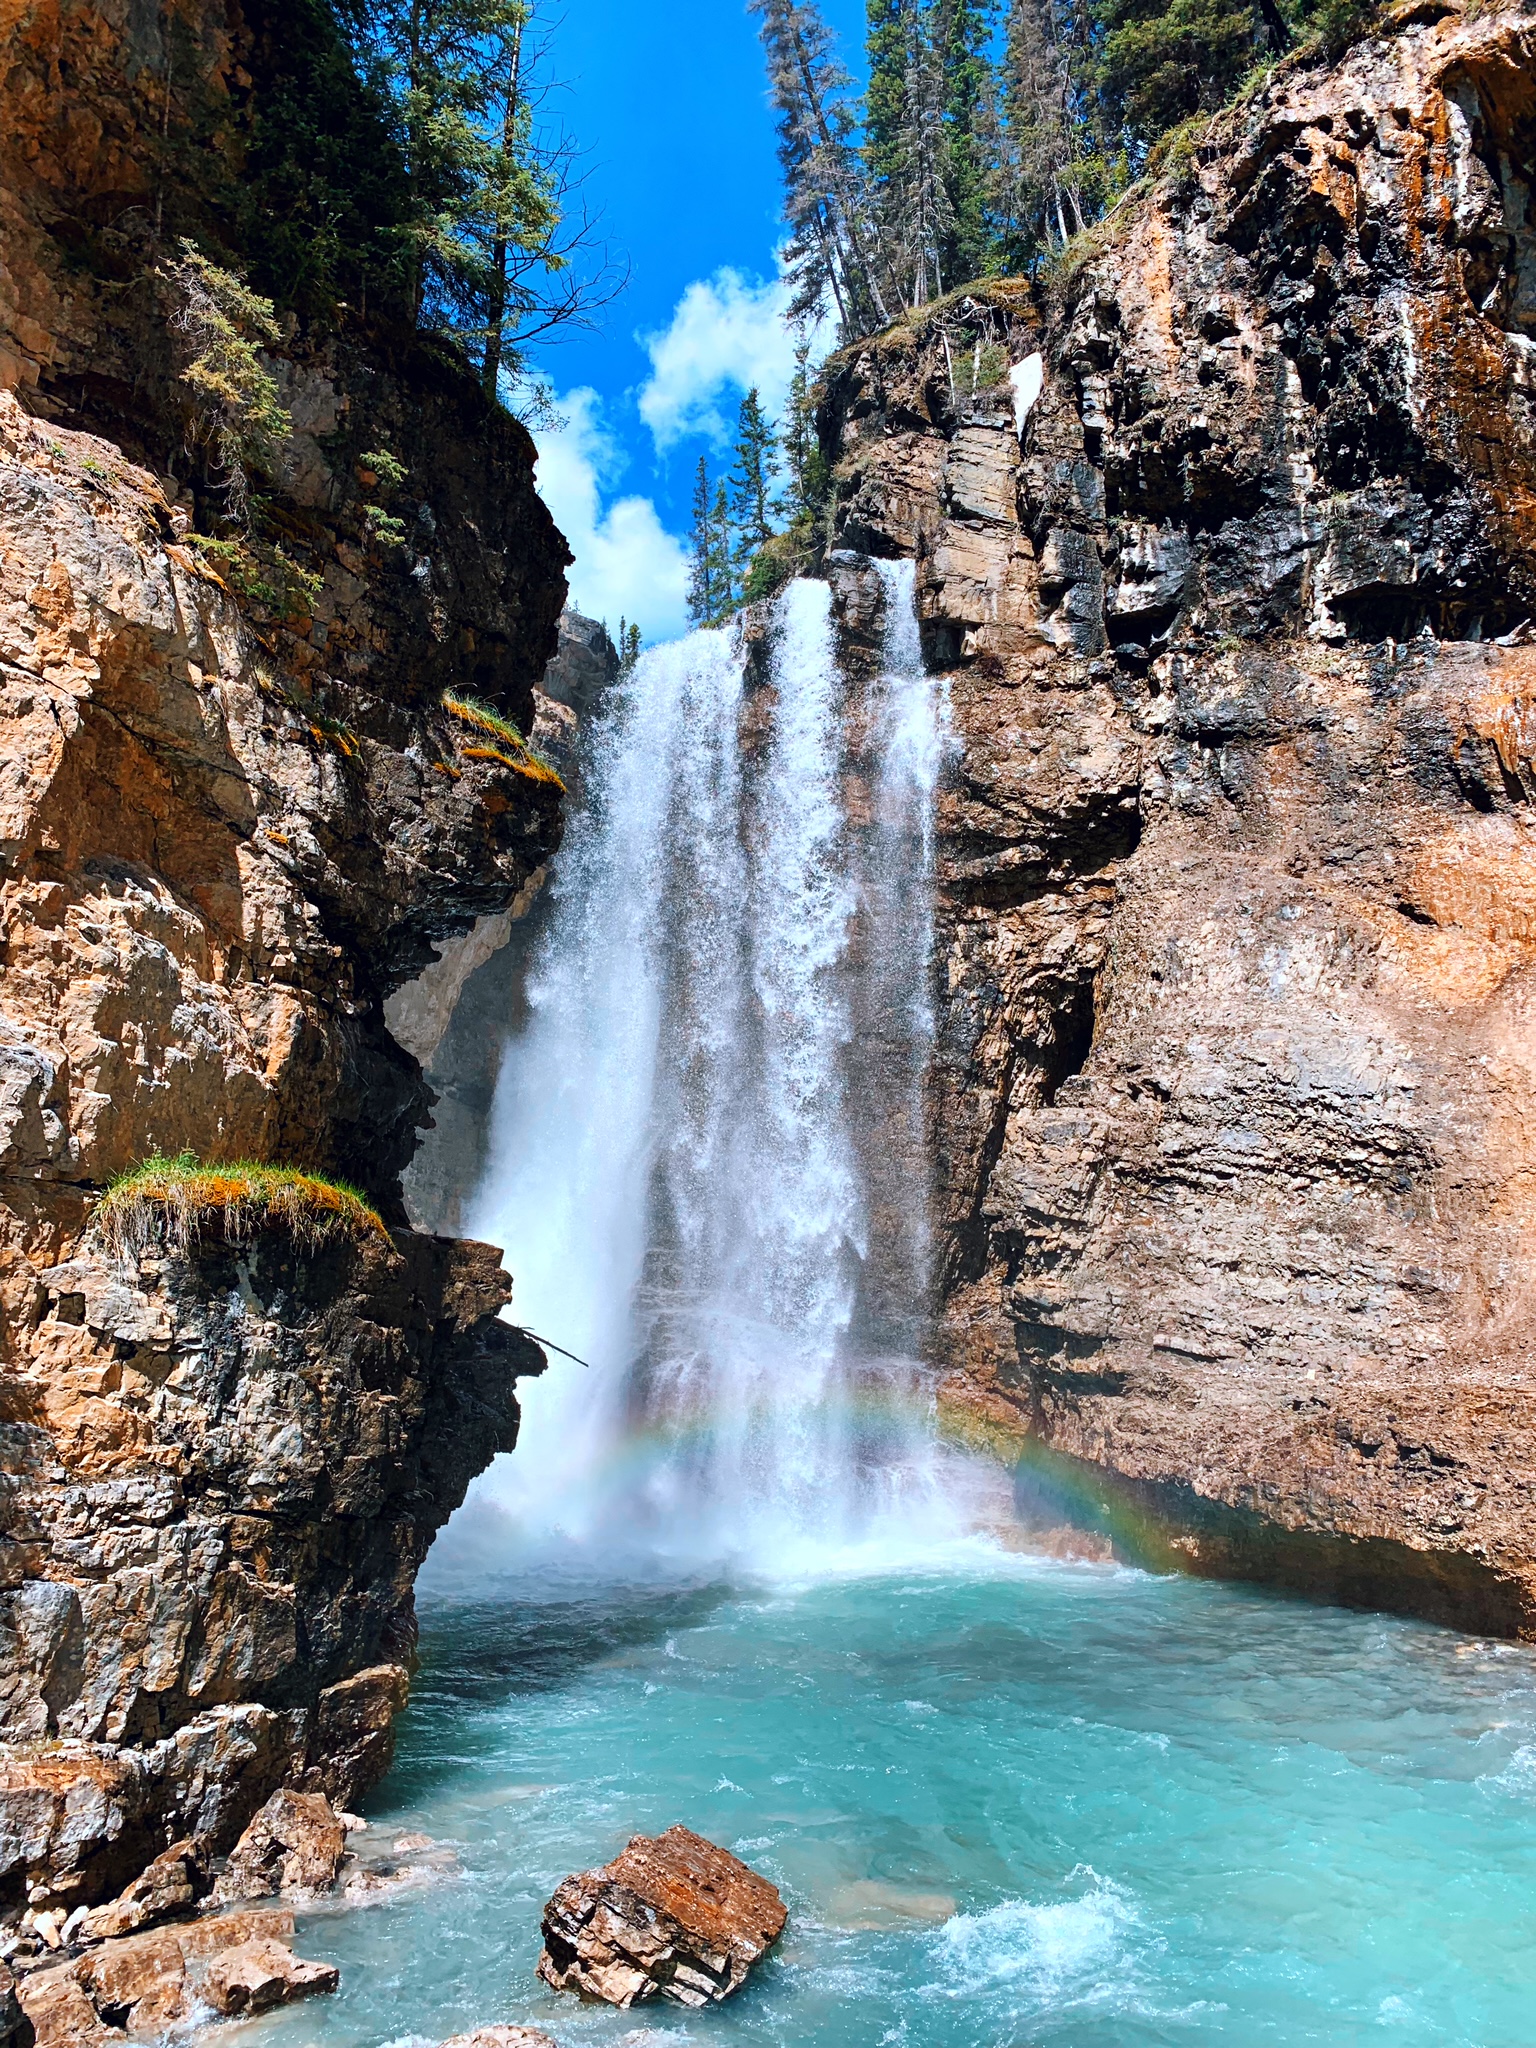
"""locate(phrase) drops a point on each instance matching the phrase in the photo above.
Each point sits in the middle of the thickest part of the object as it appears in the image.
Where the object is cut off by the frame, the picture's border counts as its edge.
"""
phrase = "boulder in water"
(501, 2037)
(295, 1844)
(672, 1917)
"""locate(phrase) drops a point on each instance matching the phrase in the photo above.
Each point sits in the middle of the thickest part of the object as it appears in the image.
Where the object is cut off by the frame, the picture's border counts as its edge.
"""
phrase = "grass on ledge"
(470, 711)
(241, 1197)
(522, 759)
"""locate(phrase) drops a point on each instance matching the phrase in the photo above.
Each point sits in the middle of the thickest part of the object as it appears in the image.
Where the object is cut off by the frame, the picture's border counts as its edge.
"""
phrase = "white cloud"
(727, 333)
(627, 564)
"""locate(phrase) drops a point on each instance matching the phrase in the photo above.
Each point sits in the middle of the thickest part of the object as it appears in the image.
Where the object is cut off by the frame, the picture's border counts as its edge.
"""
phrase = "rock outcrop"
(232, 821)
(1225, 544)
(457, 1015)
(231, 1964)
(295, 1846)
(671, 1917)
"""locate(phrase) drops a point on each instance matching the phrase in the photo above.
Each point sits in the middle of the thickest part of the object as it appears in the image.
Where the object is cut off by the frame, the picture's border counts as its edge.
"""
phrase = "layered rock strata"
(458, 1015)
(232, 1964)
(225, 1462)
(233, 819)
(672, 1916)
(1224, 545)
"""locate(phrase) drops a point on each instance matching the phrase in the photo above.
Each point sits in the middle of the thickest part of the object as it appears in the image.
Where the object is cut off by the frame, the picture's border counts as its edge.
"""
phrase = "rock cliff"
(457, 1015)
(1225, 543)
(230, 826)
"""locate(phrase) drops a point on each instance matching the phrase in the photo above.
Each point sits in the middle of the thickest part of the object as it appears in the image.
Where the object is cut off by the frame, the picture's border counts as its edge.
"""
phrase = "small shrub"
(389, 469)
(225, 324)
(383, 527)
(780, 558)
(186, 1196)
(332, 732)
(266, 577)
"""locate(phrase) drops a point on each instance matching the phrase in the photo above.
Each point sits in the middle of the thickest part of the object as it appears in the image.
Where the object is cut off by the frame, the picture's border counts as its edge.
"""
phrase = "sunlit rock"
(295, 1844)
(672, 1917)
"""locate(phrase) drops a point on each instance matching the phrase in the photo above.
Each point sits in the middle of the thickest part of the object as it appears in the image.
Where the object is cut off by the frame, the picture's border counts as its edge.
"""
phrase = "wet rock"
(672, 1917)
(260, 1974)
(169, 1886)
(295, 1844)
(231, 1962)
(384, 1869)
(501, 2037)
(14, 2026)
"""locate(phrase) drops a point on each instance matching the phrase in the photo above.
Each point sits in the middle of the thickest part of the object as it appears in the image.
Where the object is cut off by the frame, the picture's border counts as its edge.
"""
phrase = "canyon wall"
(458, 1015)
(1224, 537)
(232, 822)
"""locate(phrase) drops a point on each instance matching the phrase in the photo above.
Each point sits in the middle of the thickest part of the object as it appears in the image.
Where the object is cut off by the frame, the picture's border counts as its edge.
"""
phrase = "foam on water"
(1039, 1803)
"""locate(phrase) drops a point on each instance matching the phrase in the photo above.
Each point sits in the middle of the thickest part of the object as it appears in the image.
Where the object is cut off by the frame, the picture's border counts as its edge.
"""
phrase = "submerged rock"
(672, 1917)
(295, 1844)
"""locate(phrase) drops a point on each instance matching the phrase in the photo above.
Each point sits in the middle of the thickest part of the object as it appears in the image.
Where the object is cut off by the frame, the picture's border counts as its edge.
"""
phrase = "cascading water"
(707, 1157)
(1006, 1798)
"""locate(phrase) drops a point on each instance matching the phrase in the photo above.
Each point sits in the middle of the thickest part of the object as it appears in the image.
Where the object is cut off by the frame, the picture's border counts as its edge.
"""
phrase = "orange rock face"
(233, 1963)
(671, 1917)
(230, 826)
(1232, 582)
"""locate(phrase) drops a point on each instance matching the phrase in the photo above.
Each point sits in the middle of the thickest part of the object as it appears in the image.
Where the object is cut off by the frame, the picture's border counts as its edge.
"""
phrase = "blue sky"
(670, 105)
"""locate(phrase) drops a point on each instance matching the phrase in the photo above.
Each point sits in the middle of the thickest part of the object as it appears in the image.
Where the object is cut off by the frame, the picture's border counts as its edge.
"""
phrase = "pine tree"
(825, 203)
(752, 478)
(1159, 61)
(722, 556)
(701, 558)
(496, 252)
(921, 218)
(962, 34)
(885, 97)
(801, 452)
(628, 646)
(1041, 186)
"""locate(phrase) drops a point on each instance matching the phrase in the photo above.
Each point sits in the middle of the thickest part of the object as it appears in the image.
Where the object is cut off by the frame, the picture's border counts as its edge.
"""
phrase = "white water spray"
(706, 1153)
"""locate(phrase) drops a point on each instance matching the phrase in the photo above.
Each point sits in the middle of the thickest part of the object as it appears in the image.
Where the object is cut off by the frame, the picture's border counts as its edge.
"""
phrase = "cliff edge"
(1225, 544)
(233, 818)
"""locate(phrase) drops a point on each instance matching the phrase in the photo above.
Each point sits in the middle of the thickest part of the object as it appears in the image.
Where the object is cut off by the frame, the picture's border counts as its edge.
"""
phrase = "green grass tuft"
(470, 711)
(525, 760)
(185, 1195)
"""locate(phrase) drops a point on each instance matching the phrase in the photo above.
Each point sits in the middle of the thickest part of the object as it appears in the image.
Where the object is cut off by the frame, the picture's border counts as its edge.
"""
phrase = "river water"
(731, 1577)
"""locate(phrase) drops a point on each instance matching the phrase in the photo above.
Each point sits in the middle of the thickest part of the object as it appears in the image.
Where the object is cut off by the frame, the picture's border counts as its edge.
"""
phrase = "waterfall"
(707, 1162)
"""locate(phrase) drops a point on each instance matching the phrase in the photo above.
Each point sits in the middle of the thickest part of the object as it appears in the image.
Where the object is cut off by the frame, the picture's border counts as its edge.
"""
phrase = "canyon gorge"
(1173, 615)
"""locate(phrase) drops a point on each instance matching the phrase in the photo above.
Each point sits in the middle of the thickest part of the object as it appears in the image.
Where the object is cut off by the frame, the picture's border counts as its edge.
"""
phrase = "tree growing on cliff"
(810, 476)
(236, 414)
(1157, 62)
(703, 595)
(963, 33)
(752, 478)
(826, 204)
(501, 250)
